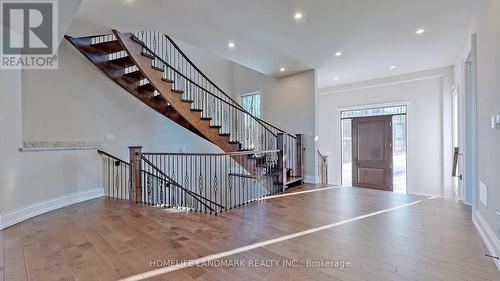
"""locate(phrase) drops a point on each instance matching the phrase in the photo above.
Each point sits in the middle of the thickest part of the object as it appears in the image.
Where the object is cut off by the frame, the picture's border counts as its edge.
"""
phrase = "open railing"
(218, 177)
(205, 182)
(156, 188)
(207, 98)
(323, 168)
(115, 176)
(210, 100)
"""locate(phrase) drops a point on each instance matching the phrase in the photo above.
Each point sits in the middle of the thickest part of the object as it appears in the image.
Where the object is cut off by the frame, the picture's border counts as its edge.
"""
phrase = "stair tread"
(147, 87)
(124, 62)
(148, 55)
(158, 68)
(241, 175)
(158, 98)
(136, 75)
(109, 47)
(168, 80)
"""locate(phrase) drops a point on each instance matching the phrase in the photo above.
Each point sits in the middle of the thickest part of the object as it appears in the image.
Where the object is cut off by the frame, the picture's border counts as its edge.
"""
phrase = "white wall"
(28, 178)
(487, 29)
(287, 102)
(94, 108)
(429, 116)
(77, 102)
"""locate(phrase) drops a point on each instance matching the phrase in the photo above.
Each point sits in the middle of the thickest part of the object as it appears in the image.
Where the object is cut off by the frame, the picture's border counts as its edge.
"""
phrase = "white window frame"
(253, 94)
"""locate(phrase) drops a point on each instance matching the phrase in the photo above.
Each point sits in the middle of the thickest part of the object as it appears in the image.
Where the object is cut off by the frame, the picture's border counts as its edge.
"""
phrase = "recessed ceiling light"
(282, 69)
(298, 15)
(338, 54)
(231, 45)
(392, 67)
(420, 31)
(336, 78)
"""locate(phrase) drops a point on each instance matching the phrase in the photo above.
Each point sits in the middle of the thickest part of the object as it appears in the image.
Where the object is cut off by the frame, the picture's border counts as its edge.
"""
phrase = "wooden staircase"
(154, 70)
(111, 58)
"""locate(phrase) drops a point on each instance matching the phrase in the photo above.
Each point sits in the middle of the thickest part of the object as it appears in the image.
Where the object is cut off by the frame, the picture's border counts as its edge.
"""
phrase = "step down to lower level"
(291, 180)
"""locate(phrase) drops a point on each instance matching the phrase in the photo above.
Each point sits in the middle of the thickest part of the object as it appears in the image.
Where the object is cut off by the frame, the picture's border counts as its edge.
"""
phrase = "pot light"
(231, 45)
(392, 67)
(336, 78)
(420, 31)
(282, 69)
(298, 15)
(338, 53)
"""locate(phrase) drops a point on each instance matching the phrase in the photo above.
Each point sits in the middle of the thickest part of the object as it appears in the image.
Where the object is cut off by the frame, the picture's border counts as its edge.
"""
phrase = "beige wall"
(430, 151)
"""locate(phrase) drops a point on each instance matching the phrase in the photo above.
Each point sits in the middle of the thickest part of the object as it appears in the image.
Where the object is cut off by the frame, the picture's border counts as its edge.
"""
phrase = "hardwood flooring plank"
(107, 239)
(15, 267)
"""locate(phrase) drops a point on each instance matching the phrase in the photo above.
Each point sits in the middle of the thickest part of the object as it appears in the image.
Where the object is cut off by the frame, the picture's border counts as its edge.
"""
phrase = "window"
(251, 103)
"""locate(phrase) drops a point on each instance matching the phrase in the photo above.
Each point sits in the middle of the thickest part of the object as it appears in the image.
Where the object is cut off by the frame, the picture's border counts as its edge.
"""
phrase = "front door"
(372, 152)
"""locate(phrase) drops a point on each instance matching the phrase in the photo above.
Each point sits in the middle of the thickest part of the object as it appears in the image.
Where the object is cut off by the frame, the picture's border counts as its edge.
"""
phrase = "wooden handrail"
(217, 87)
(233, 103)
(201, 72)
(236, 107)
(213, 154)
(111, 156)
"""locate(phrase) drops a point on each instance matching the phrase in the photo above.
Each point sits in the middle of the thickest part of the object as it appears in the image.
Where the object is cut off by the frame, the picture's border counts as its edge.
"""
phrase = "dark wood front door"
(372, 152)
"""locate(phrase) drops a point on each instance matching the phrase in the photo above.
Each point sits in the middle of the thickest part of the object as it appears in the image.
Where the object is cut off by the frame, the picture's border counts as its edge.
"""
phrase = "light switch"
(498, 223)
(495, 121)
(483, 193)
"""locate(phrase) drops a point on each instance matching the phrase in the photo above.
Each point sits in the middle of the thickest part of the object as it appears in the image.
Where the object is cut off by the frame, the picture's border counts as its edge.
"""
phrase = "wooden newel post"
(300, 155)
(281, 158)
(135, 192)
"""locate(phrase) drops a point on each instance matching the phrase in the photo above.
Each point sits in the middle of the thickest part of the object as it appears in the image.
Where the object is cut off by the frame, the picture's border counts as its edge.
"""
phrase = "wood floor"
(107, 239)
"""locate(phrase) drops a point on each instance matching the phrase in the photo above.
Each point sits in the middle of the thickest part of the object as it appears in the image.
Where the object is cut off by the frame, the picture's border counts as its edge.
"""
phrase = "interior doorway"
(374, 148)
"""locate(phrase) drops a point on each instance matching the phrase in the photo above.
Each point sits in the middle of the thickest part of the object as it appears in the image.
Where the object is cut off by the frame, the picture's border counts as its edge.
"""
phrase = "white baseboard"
(311, 179)
(16, 216)
(488, 236)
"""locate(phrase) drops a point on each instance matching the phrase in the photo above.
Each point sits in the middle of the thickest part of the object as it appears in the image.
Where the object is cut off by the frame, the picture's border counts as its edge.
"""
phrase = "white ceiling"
(372, 34)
